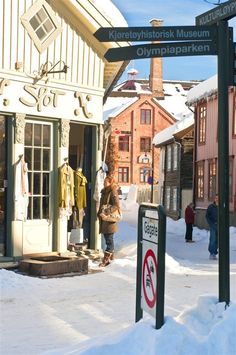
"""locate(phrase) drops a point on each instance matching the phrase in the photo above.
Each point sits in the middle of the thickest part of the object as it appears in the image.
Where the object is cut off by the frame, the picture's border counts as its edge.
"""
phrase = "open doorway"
(80, 160)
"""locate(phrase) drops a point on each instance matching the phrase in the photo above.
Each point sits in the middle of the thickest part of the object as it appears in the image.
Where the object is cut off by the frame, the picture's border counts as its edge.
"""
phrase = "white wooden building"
(53, 79)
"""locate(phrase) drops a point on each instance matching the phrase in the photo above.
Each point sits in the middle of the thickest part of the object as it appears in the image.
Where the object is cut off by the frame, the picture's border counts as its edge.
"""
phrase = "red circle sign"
(149, 269)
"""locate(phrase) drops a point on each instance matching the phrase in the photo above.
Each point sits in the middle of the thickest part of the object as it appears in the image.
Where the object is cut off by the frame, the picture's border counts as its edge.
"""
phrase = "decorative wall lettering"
(65, 130)
(83, 105)
(42, 97)
(3, 83)
(20, 128)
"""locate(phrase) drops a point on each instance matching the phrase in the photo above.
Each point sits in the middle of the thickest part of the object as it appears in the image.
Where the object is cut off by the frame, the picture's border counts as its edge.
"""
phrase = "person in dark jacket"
(189, 221)
(211, 217)
(109, 195)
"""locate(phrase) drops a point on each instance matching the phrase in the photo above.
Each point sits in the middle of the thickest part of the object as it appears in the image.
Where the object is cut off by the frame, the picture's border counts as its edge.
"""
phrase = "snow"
(168, 133)
(174, 101)
(95, 313)
(202, 90)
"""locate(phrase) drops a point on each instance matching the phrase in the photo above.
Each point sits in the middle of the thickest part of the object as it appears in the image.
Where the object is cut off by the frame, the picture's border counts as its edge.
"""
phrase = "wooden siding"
(85, 65)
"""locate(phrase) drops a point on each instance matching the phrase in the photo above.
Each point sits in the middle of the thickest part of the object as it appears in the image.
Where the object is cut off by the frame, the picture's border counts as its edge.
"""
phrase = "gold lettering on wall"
(41, 97)
(83, 104)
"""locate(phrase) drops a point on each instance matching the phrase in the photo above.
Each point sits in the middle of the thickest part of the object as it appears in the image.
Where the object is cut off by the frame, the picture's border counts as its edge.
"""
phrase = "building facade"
(53, 80)
(205, 100)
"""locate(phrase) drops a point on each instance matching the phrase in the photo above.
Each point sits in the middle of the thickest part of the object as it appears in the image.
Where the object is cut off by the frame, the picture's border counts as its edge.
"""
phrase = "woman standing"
(189, 220)
(109, 195)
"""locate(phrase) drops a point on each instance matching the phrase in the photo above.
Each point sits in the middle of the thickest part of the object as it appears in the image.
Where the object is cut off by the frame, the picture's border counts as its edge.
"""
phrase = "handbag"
(110, 213)
(77, 236)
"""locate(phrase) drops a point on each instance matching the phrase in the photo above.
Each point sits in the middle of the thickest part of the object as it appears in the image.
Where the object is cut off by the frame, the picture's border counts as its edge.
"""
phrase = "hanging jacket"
(80, 190)
(66, 186)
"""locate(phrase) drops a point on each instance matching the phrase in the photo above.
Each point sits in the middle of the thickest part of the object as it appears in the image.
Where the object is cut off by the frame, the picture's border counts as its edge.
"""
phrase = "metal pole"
(223, 162)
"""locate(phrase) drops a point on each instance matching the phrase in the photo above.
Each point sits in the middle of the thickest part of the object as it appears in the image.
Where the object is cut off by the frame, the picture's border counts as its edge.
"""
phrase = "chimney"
(155, 79)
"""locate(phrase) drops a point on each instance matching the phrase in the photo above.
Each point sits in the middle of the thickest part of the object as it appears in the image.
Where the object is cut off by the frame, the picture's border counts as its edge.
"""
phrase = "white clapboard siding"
(69, 47)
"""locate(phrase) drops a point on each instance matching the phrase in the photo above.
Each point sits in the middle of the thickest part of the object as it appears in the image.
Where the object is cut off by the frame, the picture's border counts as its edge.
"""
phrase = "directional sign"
(161, 50)
(227, 10)
(174, 33)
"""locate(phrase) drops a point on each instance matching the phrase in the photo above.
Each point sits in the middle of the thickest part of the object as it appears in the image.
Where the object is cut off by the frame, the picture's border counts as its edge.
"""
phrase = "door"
(38, 227)
(3, 185)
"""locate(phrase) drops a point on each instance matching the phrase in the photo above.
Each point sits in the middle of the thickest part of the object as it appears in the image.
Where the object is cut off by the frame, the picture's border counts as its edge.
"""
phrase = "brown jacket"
(109, 195)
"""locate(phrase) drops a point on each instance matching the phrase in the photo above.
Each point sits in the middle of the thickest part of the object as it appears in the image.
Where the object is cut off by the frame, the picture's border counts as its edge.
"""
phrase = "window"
(145, 117)
(234, 117)
(211, 178)
(144, 174)
(123, 174)
(168, 158)
(202, 124)
(175, 157)
(41, 24)
(200, 180)
(231, 165)
(38, 146)
(167, 198)
(124, 143)
(174, 200)
(145, 144)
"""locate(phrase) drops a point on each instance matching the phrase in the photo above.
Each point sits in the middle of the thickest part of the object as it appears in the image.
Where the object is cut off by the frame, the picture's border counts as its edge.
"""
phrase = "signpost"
(201, 39)
(151, 262)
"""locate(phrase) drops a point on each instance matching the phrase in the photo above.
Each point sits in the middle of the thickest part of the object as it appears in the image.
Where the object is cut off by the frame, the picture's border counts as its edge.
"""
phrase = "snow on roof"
(115, 105)
(202, 90)
(111, 11)
(168, 134)
(175, 100)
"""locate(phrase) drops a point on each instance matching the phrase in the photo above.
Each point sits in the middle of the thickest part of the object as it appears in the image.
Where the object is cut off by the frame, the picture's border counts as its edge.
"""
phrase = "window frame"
(168, 158)
(123, 174)
(212, 178)
(202, 116)
(146, 146)
(41, 45)
(143, 116)
(124, 143)
(144, 174)
(200, 180)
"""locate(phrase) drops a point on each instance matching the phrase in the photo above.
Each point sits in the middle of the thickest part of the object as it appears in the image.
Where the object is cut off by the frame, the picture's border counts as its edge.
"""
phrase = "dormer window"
(41, 24)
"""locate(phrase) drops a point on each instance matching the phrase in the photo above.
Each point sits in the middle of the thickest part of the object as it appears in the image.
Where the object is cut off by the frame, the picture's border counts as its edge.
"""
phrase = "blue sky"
(173, 13)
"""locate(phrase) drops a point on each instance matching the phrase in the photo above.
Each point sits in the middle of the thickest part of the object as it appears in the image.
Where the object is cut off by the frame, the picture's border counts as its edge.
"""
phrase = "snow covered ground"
(95, 313)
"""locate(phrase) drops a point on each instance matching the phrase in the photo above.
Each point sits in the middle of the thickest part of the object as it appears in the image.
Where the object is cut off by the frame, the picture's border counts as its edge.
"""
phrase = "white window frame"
(168, 158)
(167, 198)
(175, 157)
(174, 198)
(31, 12)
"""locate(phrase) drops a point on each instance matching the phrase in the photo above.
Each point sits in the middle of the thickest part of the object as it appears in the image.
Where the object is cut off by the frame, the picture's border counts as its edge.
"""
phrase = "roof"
(168, 134)
(202, 90)
(174, 101)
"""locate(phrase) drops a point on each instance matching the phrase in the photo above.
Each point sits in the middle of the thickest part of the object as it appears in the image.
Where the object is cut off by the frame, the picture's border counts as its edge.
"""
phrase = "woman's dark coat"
(109, 195)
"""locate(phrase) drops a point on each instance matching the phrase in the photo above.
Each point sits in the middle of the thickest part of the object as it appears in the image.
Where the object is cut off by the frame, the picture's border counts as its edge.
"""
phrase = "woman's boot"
(106, 259)
(112, 256)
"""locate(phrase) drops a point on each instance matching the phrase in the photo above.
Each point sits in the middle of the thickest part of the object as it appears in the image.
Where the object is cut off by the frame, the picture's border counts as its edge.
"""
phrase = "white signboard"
(150, 229)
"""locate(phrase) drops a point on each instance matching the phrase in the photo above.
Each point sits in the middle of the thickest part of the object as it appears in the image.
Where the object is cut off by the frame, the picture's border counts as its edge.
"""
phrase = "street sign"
(161, 50)
(149, 279)
(224, 11)
(163, 33)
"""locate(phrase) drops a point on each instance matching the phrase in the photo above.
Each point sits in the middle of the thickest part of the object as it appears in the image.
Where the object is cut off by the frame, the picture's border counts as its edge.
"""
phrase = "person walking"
(189, 221)
(211, 217)
(109, 195)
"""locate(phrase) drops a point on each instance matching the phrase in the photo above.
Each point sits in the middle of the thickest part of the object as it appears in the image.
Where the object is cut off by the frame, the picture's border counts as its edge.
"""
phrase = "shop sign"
(49, 101)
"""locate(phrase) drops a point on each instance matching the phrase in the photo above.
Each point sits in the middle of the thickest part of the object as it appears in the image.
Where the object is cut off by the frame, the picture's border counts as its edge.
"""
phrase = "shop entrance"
(80, 160)
(3, 185)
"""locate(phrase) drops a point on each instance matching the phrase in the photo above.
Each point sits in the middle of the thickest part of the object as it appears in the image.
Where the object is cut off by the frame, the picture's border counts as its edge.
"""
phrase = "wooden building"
(53, 80)
(205, 101)
(175, 188)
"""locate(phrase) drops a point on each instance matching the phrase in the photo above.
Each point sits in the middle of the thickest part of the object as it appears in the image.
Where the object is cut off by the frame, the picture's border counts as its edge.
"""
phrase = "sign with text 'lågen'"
(163, 33)
(161, 50)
